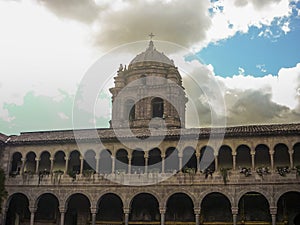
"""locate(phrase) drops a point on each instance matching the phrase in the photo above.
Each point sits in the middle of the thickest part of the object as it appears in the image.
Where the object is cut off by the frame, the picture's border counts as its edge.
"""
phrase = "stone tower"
(148, 90)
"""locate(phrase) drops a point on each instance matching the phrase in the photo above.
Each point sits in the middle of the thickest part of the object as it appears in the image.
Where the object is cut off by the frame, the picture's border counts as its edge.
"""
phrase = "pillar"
(162, 215)
(252, 160)
(291, 152)
(146, 156)
(32, 212)
(113, 162)
(97, 164)
(94, 213)
(81, 165)
(197, 215)
(180, 162)
(273, 212)
(4, 211)
(37, 163)
(271, 152)
(129, 164)
(51, 164)
(62, 211)
(67, 164)
(126, 215)
(216, 163)
(23, 165)
(234, 211)
(198, 162)
(234, 160)
(163, 157)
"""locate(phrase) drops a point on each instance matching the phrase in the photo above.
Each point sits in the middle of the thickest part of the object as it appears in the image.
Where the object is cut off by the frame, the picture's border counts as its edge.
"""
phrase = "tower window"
(157, 107)
(130, 110)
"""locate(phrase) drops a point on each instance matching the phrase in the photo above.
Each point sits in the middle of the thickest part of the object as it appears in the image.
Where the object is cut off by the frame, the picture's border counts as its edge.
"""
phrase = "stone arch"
(216, 190)
(59, 162)
(121, 161)
(110, 207)
(189, 159)
(40, 193)
(105, 162)
(129, 198)
(207, 158)
(225, 159)
(261, 191)
(288, 206)
(30, 163)
(137, 161)
(171, 160)
(89, 162)
(181, 190)
(16, 163)
(9, 197)
(45, 163)
(154, 160)
(262, 155)
(70, 194)
(243, 156)
(281, 155)
(74, 162)
(47, 205)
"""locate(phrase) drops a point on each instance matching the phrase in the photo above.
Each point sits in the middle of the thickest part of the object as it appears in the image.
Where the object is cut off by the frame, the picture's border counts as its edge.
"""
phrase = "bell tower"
(148, 90)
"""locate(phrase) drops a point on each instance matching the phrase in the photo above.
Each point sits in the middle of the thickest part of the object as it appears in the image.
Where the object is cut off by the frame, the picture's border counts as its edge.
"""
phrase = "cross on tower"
(151, 35)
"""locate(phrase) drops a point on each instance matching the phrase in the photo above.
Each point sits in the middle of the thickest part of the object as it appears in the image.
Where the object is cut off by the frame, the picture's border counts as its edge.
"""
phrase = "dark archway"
(296, 155)
(30, 164)
(59, 162)
(105, 162)
(47, 209)
(281, 155)
(254, 206)
(45, 163)
(262, 156)
(74, 162)
(180, 208)
(16, 163)
(243, 157)
(122, 161)
(171, 160)
(78, 210)
(157, 107)
(138, 161)
(207, 159)
(225, 157)
(18, 209)
(189, 159)
(144, 207)
(89, 160)
(110, 208)
(129, 112)
(215, 207)
(288, 207)
(154, 161)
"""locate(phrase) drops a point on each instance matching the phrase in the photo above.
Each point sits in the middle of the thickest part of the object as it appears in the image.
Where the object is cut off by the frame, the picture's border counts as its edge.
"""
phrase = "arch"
(44, 163)
(129, 110)
(138, 161)
(110, 208)
(243, 156)
(105, 162)
(171, 160)
(157, 105)
(296, 155)
(18, 209)
(180, 208)
(30, 163)
(16, 164)
(59, 162)
(216, 202)
(47, 208)
(207, 158)
(189, 159)
(89, 162)
(154, 161)
(281, 155)
(225, 159)
(288, 206)
(121, 164)
(144, 207)
(253, 206)
(262, 155)
(74, 162)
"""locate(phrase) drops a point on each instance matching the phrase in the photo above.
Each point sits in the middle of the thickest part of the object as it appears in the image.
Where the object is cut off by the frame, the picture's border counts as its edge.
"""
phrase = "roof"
(152, 55)
(3, 137)
(62, 136)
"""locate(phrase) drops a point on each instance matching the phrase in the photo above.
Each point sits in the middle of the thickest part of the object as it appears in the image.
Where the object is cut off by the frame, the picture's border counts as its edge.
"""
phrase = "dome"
(151, 54)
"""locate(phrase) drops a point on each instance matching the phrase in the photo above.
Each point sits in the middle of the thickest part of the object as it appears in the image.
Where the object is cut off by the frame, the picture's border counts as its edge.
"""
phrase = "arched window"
(157, 107)
(129, 109)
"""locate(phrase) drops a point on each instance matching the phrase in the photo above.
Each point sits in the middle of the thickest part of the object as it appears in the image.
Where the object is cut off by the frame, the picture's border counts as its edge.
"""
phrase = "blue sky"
(250, 47)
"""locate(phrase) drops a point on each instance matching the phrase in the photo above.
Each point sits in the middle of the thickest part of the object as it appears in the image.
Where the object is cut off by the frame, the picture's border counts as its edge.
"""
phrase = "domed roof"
(151, 54)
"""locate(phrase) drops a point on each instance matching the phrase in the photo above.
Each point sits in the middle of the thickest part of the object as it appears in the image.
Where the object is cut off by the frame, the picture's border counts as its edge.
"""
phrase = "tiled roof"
(3, 137)
(109, 134)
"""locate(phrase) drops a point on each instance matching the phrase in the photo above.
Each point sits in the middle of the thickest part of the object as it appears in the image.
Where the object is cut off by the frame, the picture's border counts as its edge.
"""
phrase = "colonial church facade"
(191, 177)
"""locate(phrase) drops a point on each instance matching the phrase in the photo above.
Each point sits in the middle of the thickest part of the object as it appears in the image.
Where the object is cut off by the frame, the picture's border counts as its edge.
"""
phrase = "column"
(234, 160)
(146, 156)
(32, 212)
(163, 156)
(129, 164)
(126, 215)
(271, 152)
(81, 165)
(216, 163)
(180, 162)
(234, 211)
(37, 163)
(113, 162)
(291, 152)
(51, 164)
(162, 215)
(198, 162)
(97, 164)
(273, 212)
(67, 164)
(94, 213)
(197, 215)
(4, 215)
(62, 211)
(23, 165)
(252, 159)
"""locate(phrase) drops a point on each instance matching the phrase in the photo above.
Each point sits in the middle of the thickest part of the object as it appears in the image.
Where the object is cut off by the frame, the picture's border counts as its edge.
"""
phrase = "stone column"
(216, 163)
(271, 152)
(67, 164)
(81, 164)
(197, 215)
(291, 152)
(51, 164)
(252, 160)
(23, 165)
(126, 215)
(97, 164)
(162, 215)
(62, 211)
(129, 164)
(234, 160)
(32, 212)
(235, 211)
(146, 156)
(163, 157)
(113, 162)
(198, 162)
(4, 211)
(180, 162)
(273, 212)
(94, 213)
(37, 163)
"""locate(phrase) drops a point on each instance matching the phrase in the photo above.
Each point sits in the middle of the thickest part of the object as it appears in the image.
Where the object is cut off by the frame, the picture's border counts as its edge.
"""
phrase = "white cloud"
(63, 116)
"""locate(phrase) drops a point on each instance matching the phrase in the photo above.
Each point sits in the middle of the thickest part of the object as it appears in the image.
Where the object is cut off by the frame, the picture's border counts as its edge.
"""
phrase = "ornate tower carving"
(150, 89)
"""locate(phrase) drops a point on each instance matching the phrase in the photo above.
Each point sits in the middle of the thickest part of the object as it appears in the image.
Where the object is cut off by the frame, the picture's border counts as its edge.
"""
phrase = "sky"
(250, 47)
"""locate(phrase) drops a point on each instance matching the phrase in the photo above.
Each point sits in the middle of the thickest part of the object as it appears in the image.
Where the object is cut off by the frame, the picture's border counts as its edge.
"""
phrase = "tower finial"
(151, 35)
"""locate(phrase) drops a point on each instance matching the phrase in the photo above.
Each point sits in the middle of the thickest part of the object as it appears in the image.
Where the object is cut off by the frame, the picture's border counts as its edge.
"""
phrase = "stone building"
(193, 176)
